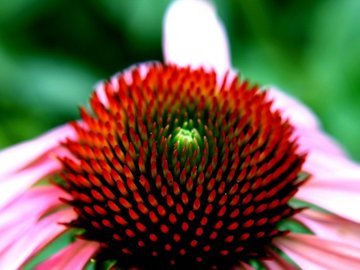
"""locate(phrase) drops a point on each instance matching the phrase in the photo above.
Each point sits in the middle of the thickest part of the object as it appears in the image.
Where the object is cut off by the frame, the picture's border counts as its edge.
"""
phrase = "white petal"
(194, 35)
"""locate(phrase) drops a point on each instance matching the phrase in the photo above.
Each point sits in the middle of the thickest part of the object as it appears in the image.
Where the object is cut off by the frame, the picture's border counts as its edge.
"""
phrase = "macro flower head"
(183, 164)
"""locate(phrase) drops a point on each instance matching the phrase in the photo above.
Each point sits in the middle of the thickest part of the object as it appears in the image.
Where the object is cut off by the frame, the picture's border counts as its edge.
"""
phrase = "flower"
(183, 165)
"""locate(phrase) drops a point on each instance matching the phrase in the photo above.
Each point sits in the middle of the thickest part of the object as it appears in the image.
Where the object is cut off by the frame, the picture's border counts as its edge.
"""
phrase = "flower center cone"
(177, 171)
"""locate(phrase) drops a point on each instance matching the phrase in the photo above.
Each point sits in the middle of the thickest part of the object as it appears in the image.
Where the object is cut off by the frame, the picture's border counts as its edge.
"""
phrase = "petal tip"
(194, 35)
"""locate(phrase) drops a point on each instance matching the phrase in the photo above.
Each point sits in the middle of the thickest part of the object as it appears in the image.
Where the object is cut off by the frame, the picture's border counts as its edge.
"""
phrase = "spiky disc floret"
(175, 172)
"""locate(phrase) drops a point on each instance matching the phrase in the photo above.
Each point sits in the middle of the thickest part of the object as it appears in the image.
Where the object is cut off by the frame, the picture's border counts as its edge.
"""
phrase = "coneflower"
(177, 172)
(183, 165)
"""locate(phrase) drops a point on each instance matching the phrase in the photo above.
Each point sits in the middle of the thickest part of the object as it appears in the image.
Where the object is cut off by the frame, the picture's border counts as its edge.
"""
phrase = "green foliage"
(53, 52)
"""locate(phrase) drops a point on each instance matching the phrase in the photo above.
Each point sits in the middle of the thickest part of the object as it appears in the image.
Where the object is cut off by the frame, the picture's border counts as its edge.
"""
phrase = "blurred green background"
(53, 52)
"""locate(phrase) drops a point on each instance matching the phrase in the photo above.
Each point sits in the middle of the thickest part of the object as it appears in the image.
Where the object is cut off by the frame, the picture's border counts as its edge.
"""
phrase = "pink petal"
(13, 185)
(194, 35)
(31, 205)
(33, 240)
(19, 156)
(339, 198)
(315, 140)
(330, 226)
(277, 262)
(324, 166)
(73, 257)
(10, 233)
(334, 186)
(24, 213)
(300, 116)
(312, 252)
(307, 127)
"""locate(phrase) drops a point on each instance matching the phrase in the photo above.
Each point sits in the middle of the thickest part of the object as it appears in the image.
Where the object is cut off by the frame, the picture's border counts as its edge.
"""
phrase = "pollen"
(180, 170)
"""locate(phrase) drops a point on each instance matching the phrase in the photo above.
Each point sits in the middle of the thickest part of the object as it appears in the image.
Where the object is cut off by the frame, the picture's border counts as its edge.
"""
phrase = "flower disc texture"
(178, 170)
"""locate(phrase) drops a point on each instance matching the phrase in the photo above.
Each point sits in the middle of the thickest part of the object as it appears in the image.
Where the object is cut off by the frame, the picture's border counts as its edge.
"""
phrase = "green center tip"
(187, 137)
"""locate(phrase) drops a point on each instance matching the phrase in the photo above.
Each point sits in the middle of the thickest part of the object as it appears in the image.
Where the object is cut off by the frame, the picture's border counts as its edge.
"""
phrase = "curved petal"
(325, 166)
(34, 239)
(23, 213)
(193, 35)
(316, 140)
(276, 262)
(330, 226)
(312, 252)
(21, 155)
(15, 184)
(73, 257)
(334, 184)
(307, 127)
(30, 206)
(9, 234)
(340, 198)
(299, 114)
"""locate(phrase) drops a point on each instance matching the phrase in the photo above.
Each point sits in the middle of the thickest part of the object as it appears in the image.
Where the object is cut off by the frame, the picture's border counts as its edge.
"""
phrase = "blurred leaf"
(18, 9)
(142, 19)
(333, 63)
(38, 93)
(56, 83)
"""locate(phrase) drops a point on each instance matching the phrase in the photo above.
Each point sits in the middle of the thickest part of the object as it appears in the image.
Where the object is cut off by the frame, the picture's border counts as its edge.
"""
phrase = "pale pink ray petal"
(13, 185)
(21, 155)
(193, 35)
(73, 257)
(324, 166)
(307, 127)
(277, 262)
(329, 226)
(299, 115)
(24, 212)
(334, 185)
(315, 140)
(34, 239)
(31, 205)
(10, 233)
(338, 195)
(313, 252)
